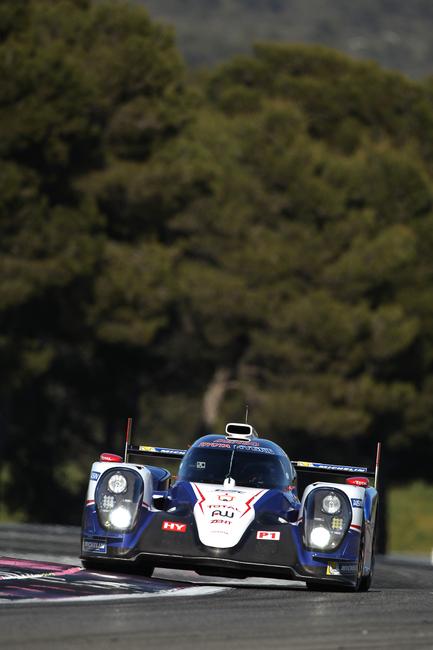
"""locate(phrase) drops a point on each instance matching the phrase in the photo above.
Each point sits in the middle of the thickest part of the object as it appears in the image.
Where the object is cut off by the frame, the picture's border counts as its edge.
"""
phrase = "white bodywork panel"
(355, 494)
(223, 514)
(99, 468)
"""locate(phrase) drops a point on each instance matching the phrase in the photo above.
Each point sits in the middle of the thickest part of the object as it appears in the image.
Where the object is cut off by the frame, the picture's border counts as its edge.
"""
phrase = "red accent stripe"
(355, 526)
(203, 498)
(248, 503)
(90, 502)
(379, 445)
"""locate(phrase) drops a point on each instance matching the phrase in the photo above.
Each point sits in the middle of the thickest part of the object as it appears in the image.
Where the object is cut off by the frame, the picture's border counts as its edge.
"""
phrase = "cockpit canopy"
(256, 464)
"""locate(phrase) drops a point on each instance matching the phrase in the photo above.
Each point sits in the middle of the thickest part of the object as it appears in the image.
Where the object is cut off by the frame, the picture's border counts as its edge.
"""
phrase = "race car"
(233, 510)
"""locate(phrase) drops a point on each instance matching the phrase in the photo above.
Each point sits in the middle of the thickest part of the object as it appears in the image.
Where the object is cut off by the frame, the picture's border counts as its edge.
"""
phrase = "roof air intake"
(240, 431)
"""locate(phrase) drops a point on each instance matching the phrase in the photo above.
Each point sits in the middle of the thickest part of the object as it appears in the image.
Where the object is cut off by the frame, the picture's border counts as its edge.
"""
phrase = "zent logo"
(174, 526)
(270, 535)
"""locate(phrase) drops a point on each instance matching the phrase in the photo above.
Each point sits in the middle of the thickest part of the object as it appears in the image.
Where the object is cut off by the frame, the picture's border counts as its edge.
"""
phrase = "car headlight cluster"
(331, 504)
(327, 518)
(117, 483)
(118, 496)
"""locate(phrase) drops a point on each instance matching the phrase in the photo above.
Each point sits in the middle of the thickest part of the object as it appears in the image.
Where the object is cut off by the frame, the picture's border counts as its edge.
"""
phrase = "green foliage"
(411, 519)
(73, 72)
(171, 250)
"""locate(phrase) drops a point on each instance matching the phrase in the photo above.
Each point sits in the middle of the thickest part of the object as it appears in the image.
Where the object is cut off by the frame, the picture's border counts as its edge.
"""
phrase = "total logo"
(174, 526)
(270, 535)
(225, 497)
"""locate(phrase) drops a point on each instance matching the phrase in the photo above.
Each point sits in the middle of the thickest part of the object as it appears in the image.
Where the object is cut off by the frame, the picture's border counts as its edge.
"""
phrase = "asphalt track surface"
(397, 613)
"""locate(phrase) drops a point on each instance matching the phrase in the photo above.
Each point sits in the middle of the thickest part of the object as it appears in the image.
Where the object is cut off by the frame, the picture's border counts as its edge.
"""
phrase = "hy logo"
(174, 526)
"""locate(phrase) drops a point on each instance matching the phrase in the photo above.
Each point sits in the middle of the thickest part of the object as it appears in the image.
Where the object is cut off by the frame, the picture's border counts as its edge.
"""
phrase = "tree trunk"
(212, 399)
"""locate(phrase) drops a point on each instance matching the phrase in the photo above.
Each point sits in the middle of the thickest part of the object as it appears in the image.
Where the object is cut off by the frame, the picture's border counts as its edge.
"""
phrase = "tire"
(365, 582)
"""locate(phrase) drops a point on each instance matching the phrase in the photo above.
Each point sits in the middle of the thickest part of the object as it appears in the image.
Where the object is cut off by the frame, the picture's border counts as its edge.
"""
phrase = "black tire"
(365, 582)
(362, 582)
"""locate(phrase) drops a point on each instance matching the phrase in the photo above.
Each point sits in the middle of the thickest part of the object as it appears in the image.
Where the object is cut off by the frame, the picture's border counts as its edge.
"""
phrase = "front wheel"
(365, 582)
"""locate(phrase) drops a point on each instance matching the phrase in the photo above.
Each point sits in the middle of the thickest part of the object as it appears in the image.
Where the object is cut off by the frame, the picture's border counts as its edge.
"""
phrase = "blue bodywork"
(278, 510)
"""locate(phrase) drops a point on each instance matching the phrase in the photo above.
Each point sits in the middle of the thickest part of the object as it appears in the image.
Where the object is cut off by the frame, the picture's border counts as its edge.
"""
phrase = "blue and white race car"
(234, 511)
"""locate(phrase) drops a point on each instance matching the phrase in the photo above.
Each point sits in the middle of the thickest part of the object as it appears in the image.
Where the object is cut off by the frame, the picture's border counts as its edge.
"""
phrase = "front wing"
(166, 540)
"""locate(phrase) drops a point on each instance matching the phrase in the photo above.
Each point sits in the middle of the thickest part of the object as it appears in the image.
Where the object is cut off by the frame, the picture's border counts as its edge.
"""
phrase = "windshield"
(249, 469)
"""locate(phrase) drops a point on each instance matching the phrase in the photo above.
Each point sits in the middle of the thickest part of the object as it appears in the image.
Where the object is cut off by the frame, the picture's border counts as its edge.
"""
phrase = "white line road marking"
(46, 574)
(187, 591)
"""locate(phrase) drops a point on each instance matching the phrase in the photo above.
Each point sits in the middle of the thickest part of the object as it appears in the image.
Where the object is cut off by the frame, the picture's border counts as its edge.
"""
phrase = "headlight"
(320, 537)
(327, 516)
(117, 484)
(120, 518)
(118, 497)
(331, 504)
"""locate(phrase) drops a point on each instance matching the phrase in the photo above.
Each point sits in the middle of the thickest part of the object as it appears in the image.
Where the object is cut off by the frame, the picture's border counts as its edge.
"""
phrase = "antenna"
(128, 438)
(376, 473)
(246, 413)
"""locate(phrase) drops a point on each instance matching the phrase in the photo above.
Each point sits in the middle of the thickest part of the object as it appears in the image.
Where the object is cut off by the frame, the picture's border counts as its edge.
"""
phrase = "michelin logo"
(89, 546)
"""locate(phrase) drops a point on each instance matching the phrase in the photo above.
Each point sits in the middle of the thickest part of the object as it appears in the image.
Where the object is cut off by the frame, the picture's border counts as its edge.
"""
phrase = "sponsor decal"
(239, 447)
(348, 568)
(221, 513)
(235, 442)
(201, 464)
(91, 546)
(261, 450)
(225, 497)
(338, 468)
(357, 503)
(340, 568)
(110, 458)
(220, 521)
(166, 450)
(174, 526)
(227, 506)
(359, 481)
(162, 450)
(216, 445)
(231, 491)
(332, 569)
(271, 535)
(94, 476)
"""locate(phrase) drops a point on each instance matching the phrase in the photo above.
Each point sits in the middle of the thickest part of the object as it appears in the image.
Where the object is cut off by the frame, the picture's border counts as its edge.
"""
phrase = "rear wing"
(158, 452)
(145, 450)
(300, 465)
(340, 470)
